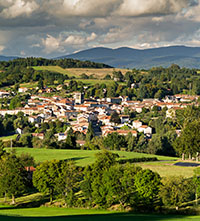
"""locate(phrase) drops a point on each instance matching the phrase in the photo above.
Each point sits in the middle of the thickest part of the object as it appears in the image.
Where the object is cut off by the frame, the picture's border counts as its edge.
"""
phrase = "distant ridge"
(7, 58)
(125, 57)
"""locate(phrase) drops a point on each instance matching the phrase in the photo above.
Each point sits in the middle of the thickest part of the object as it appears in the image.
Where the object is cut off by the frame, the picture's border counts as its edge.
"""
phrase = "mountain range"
(125, 57)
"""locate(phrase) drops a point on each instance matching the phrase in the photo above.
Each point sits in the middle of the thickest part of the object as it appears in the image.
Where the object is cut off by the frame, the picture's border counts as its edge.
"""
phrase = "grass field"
(168, 169)
(6, 138)
(50, 214)
(165, 166)
(96, 81)
(99, 73)
(82, 157)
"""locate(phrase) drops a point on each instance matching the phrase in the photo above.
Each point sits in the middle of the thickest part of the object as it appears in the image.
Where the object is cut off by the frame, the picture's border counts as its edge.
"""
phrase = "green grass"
(43, 213)
(166, 169)
(165, 166)
(7, 138)
(53, 69)
(82, 157)
(29, 85)
(98, 72)
(96, 81)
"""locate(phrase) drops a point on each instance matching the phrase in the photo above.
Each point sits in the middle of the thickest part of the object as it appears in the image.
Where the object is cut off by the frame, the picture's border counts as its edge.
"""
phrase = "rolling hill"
(133, 58)
(7, 58)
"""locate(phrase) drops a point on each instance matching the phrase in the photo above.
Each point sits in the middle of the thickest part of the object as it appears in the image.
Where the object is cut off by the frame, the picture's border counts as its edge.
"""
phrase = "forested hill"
(64, 63)
(133, 58)
(5, 58)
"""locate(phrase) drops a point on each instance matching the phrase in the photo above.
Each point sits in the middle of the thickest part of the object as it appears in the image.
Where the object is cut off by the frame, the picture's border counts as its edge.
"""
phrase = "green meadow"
(82, 157)
(165, 166)
(50, 214)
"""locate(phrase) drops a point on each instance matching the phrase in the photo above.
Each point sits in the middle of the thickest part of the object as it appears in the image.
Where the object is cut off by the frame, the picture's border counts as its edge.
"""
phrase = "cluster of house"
(79, 112)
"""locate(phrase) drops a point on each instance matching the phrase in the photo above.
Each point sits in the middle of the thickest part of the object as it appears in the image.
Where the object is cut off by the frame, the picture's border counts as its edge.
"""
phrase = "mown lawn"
(82, 157)
(43, 213)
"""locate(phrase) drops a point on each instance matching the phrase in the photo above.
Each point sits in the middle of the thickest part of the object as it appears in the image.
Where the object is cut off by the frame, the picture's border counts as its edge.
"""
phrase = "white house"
(145, 129)
(22, 89)
(137, 124)
(61, 136)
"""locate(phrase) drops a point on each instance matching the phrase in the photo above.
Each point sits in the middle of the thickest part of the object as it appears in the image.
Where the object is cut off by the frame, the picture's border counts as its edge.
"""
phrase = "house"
(35, 119)
(136, 124)
(126, 132)
(124, 119)
(80, 142)
(114, 100)
(22, 89)
(122, 132)
(4, 94)
(61, 136)
(145, 129)
(105, 120)
(38, 135)
(170, 99)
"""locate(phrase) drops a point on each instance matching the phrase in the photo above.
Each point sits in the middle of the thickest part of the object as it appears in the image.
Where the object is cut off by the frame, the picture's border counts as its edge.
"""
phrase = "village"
(78, 112)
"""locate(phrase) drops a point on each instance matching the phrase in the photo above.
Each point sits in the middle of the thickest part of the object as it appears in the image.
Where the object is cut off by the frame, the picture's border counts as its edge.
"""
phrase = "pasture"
(165, 166)
(82, 157)
(76, 72)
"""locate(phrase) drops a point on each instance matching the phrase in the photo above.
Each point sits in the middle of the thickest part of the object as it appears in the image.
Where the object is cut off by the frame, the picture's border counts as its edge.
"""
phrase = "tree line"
(102, 184)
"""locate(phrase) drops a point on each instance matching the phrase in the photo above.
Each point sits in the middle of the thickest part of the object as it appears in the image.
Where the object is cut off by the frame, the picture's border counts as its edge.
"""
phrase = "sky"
(51, 28)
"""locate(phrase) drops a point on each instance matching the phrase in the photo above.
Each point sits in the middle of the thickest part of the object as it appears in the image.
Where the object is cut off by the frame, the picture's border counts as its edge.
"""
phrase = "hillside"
(133, 58)
(5, 58)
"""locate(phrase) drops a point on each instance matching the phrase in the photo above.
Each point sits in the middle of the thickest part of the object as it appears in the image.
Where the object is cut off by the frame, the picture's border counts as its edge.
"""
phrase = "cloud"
(87, 8)
(50, 44)
(146, 7)
(18, 8)
(2, 48)
(52, 28)
(60, 43)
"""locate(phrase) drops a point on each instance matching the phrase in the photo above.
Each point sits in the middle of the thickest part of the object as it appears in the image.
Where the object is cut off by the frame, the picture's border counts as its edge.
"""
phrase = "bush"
(136, 160)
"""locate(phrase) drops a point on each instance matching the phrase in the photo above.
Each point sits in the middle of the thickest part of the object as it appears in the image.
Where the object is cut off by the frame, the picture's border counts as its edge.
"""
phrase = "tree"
(189, 140)
(2, 151)
(45, 177)
(92, 185)
(68, 182)
(40, 84)
(90, 132)
(196, 181)
(118, 76)
(119, 185)
(147, 185)
(114, 141)
(13, 177)
(26, 140)
(115, 118)
(70, 140)
(176, 190)
(15, 102)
